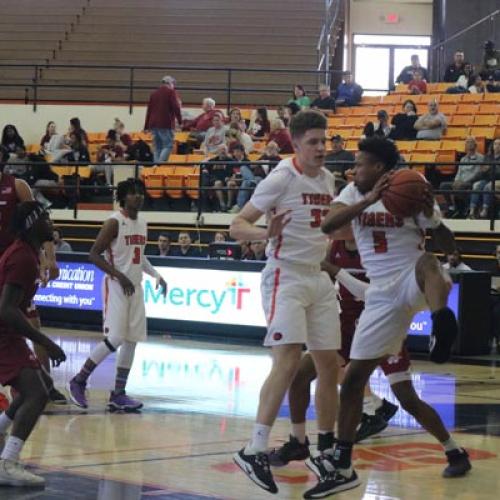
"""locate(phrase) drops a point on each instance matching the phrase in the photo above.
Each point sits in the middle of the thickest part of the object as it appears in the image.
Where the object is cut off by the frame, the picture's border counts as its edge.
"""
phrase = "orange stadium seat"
(485, 120)
(450, 98)
(345, 133)
(457, 132)
(352, 145)
(438, 87)
(335, 121)
(473, 98)
(448, 109)
(355, 121)
(422, 158)
(344, 110)
(406, 146)
(467, 109)
(446, 157)
(401, 88)
(391, 99)
(430, 146)
(461, 120)
(425, 98)
(492, 97)
(486, 132)
(152, 181)
(193, 182)
(452, 145)
(362, 110)
(370, 99)
(489, 109)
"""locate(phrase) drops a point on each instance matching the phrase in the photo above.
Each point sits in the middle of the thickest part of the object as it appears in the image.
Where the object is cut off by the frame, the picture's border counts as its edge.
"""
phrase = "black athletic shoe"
(387, 410)
(444, 333)
(369, 426)
(332, 483)
(320, 464)
(57, 398)
(458, 463)
(292, 450)
(256, 467)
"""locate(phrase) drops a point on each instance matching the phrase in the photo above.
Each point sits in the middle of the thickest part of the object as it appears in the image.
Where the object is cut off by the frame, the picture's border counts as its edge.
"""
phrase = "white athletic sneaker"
(14, 474)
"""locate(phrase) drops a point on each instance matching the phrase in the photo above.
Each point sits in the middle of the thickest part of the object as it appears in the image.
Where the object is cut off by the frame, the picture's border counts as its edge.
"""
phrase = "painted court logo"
(229, 295)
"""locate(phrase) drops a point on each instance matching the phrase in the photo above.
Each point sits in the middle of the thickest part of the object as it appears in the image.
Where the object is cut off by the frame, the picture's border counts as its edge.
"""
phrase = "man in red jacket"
(163, 109)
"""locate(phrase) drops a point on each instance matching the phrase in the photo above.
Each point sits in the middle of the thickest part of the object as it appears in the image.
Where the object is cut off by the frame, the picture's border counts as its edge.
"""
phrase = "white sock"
(299, 431)
(5, 423)
(368, 405)
(260, 439)
(450, 445)
(12, 449)
(377, 402)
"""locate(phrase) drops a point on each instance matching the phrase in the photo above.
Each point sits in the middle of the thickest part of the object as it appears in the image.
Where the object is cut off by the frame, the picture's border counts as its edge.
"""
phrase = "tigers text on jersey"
(126, 251)
(387, 244)
(309, 199)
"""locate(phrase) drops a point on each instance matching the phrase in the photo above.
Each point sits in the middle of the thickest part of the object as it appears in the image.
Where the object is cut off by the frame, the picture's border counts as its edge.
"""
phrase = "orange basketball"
(405, 195)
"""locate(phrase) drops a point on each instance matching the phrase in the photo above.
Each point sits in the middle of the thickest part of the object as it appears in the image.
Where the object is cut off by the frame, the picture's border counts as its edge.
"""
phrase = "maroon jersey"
(347, 259)
(19, 265)
(8, 202)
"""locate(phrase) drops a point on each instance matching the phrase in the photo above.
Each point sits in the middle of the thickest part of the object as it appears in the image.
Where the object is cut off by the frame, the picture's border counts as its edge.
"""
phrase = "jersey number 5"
(137, 255)
(379, 242)
(317, 215)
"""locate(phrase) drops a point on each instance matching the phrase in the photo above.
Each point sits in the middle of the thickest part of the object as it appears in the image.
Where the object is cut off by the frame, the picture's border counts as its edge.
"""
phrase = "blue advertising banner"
(78, 287)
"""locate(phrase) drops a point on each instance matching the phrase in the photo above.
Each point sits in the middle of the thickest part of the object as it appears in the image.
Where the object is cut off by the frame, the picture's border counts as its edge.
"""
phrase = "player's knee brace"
(113, 342)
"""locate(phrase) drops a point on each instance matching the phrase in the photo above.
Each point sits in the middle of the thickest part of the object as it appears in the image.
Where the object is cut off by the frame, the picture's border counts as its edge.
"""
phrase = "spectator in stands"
(493, 84)
(215, 136)
(284, 114)
(16, 166)
(456, 68)
(417, 85)
(246, 252)
(406, 74)
(122, 136)
(454, 263)
(11, 140)
(300, 98)
(162, 112)
(261, 126)
(477, 85)
(463, 81)
(220, 237)
(60, 244)
(380, 128)
(292, 108)
(469, 171)
(250, 176)
(164, 249)
(343, 160)
(325, 103)
(50, 131)
(485, 184)
(281, 136)
(185, 247)
(109, 153)
(139, 151)
(491, 60)
(199, 126)
(77, 151)
(271, 153)
(235, 117)
(432, 124)
(257, 250)
(235, 135)
(349, 93)
(217, 175)
(403, 124)
(76, 126)
(41, 178)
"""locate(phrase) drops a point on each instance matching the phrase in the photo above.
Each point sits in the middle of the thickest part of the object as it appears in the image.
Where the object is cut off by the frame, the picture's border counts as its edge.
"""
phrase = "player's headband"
(37, 213)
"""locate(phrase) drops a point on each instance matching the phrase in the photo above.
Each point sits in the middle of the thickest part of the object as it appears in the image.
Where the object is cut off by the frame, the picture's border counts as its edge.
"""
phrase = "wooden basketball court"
(200, 400)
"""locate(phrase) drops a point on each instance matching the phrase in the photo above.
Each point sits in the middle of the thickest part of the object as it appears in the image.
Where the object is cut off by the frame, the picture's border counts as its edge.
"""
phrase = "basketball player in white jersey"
(296, 295)
(403, 280)
(122, 239)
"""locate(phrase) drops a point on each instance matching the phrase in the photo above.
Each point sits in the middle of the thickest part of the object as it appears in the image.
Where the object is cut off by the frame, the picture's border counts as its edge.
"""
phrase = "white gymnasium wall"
(368, 17)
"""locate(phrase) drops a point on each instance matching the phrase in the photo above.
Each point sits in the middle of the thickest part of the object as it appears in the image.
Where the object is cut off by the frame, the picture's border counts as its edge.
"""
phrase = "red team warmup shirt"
(19, 266)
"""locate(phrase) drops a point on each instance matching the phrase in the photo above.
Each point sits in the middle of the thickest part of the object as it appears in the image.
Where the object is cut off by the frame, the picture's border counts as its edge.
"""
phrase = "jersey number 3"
(137, 255)
(379, 242)
(317, 215)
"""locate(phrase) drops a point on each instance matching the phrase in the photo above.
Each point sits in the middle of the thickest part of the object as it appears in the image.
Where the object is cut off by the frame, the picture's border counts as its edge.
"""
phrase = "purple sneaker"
(121, 402)
(77, 393)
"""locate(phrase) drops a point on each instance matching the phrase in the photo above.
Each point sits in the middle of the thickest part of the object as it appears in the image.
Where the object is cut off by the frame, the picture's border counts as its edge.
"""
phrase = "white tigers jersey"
(387, 244)
(126, 251)
(309, 199)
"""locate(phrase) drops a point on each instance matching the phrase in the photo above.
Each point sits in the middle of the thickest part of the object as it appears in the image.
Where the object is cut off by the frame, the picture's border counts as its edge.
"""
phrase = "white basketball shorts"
(301, 307)
(389, 308)
(123, 317)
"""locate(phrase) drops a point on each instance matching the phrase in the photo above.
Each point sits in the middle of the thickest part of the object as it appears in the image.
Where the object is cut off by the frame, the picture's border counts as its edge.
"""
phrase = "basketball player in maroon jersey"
(19, 367)
(343, 255)
(12, 192)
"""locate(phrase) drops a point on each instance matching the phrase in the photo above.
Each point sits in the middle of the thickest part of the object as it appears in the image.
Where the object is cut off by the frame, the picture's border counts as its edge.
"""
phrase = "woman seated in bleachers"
(380, 128)
(11, 140)
(235, 117)
(261, 126)
(234, 135)
(281, 136)
(76, 126)
(110, 153)
(78, 151)
(215, 136)
(477, 85)
(299, 97)
(50, 131)
(403, 123)
(123, 138)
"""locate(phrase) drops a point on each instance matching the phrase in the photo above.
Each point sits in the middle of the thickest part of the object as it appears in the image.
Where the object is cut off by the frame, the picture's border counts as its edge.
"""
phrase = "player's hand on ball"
(428, 202)
(374, 195)
(160, 282)
(277, 223)
(54, 352)
(127, 286)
